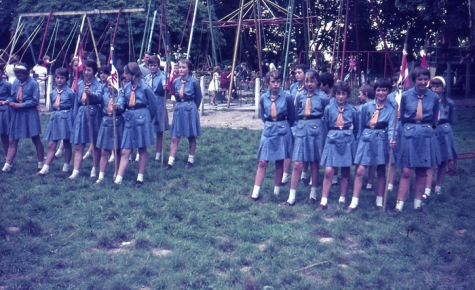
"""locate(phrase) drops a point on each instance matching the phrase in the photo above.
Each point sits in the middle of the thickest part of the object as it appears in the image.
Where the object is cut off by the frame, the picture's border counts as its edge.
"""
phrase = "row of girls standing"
(332, 133)
(137, 111)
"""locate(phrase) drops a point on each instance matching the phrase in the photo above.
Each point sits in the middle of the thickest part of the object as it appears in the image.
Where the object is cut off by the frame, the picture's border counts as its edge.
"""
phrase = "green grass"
(197, 228)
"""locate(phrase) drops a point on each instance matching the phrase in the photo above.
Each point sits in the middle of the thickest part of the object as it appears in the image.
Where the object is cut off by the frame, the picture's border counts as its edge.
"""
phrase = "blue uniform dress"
(276, 140)
(81, 126)
(445, 135)
(340, 144)
(25, 121)
(309, 132)
(105, 137)
(5, 114)
(418, 145)
(160, 122)
(373, 141)
(60, 126)
(138, 129)
(186, 121)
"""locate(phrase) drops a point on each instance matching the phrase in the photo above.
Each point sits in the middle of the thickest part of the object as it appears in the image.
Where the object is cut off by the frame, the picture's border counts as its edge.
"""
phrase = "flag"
(114, 73)
(423, 59)
(79, 68)
(404, 74)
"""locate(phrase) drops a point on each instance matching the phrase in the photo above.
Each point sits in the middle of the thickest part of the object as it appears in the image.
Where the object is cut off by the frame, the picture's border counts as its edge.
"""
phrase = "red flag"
(79, 68)
(404, 75)
(424, 60)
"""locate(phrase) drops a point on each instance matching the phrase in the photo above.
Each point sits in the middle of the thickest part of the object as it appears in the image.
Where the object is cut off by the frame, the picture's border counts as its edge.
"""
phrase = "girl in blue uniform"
(157, 81)
(25, 120)
(309, 134)
(5, 91)
(105, 137)
(295, 89)
(418, 146)
(89, 95)
(376, 129)
(140, 106)
(186, 121)
(61, 122)
(340, 145)
(277, 111)
(445, 136)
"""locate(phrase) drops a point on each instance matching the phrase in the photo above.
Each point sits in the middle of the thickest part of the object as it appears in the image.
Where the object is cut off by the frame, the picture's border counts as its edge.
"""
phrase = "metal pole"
(151, 31)
(15, 38)
(191, 31)
(342, 70)
(212, 35)
(236, 46)
(145, 29)
(288, 40)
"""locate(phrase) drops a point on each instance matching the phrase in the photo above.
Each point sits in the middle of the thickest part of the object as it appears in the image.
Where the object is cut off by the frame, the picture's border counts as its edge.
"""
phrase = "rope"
(186, 24)
(73, 32)
(102, 35)
(29, 39)
(44, 35)
(55, 27)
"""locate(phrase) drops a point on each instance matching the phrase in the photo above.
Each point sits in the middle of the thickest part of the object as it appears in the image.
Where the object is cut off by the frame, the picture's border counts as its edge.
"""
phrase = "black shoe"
(351, 210)
(305, 181)
(168, 167)
(287, 204)
(312, 201)
(321, 207)
(255, 198)
(420, 211)
(341, 205)
(395, 212)
(189, 165)
(138, 184)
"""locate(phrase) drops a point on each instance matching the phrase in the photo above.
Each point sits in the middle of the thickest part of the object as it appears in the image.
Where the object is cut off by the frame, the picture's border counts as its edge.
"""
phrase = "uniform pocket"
(140, 120)
(315, 130)
(408, 131)
(445, 129)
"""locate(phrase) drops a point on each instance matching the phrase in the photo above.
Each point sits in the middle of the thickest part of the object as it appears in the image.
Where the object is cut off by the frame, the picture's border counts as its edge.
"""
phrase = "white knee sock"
(313, 193)
(399, 205)
(292, 194)
(354, 202)
(191, 159)
(45, 169)
(140, 177)
(276, 190)
(417, 203)
(379, 201)
(171, 160)
(65, 167)
(324, 201)
(255, 191)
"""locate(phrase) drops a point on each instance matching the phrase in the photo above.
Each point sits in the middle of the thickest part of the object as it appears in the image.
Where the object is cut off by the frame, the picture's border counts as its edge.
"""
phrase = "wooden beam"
(91, 12)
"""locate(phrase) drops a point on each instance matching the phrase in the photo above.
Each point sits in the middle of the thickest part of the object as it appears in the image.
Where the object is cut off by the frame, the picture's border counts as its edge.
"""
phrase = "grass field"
(197, 228)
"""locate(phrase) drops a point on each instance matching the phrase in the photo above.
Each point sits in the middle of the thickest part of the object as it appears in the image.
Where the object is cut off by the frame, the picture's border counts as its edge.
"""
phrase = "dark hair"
(416, 72)
(104, 69)
(311, 74)
(302, 66)
(273, 74)
(92, 64)
(148, 52)
(41, 62)
(188, 63)
(326, 78)
(154, 60)
(367, 91)
(383, 83)
(133, 68)
(341, 87)
(395, 78)
(61, 71)
(14, 59)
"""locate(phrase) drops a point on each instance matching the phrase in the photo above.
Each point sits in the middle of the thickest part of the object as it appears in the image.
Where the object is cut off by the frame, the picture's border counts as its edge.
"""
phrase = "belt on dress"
(441, 122)
(277, 120)
(310, 117)
(340, 128)
(377, 126)
(137, 106)
(62, 108)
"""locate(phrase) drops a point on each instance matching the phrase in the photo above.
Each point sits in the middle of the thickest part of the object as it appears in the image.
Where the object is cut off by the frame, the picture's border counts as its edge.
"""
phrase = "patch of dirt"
(222, 117)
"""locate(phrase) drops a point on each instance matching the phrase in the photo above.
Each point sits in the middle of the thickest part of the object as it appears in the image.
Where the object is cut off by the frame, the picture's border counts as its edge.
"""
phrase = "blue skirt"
(446, 142)
(105, 137)
(81, 126)
(373, 147)
(417, 146)
(276, 141)
(60, 126)
(339, 150)
(309, 140)
(160, 122)
(25, 123)
(186, 122)
(138, 129)
(5, 115)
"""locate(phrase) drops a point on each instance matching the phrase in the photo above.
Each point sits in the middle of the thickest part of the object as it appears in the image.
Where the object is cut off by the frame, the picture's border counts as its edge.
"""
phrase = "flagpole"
(93, 42)
(151, 32)
(191, 31)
